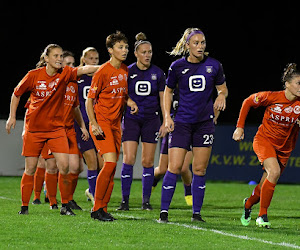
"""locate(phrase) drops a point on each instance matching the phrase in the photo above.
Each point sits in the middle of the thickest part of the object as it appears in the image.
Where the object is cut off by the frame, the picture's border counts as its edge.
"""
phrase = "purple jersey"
(143, 88)
(195, 83)
(84, 84)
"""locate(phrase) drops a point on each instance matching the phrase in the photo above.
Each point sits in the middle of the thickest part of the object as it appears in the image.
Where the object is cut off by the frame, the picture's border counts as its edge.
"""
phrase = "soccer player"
(146, 84)
(45, 119)
(274, 141)
(109, 92)
(161, 169)
(90, 56)
(195, 75)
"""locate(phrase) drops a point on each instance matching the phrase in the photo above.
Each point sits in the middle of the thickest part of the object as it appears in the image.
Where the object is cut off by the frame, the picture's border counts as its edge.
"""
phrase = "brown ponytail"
(289, 72)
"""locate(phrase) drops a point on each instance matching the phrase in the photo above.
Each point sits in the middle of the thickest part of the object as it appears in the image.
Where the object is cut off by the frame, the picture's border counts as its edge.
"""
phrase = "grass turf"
(137, 229)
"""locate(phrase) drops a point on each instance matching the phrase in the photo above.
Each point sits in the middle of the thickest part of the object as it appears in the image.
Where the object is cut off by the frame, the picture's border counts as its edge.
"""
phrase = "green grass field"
(136, 229)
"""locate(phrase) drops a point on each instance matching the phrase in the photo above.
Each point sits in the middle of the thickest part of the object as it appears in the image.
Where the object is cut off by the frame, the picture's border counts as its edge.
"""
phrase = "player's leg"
(162, 167)
(129, 156)
(148, 152)
(186, 176)
(27, 182)
(273, 170)
(176, 158)
(39, 178)
(74, 171)
(200, 163)
(51, 179)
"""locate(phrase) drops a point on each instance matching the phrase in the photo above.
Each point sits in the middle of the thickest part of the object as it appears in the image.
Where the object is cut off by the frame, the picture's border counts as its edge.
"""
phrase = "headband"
(193, 33)
(138, 43)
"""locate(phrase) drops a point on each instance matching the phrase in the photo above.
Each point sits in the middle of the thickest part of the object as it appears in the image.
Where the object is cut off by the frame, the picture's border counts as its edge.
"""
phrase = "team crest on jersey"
(209, 69)
(153, 77)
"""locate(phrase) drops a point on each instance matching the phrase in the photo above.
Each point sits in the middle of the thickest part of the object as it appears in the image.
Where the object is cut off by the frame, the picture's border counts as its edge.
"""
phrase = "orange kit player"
(45, 119)
(274, 141)
(109, 91)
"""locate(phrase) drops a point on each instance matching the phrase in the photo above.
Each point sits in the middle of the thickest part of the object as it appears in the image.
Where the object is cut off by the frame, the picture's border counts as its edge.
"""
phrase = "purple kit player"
(146, 83)
(195, 75)
(93, 160)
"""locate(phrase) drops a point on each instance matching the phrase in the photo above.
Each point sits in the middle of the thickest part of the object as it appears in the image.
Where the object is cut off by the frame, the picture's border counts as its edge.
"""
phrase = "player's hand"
(169, 124)
(238, 134)
(85, 134)
(162, 131)
(11, 123)
(134, 109)
(220, 103)
(96, 129)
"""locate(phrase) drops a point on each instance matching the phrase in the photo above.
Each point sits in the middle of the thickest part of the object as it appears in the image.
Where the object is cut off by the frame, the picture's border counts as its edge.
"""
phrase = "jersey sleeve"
(172, 78)
(220, 76)
(96, 85)
(254, 100)
(71, 74)
(25, 85)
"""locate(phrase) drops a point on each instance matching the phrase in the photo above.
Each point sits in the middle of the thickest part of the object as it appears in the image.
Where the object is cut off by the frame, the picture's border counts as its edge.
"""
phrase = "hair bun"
(140, 36)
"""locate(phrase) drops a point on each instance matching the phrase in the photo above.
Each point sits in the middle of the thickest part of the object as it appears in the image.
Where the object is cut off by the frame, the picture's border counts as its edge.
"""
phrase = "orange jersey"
(45, 112)
(280, 123)
(109, 89)
(71, 101)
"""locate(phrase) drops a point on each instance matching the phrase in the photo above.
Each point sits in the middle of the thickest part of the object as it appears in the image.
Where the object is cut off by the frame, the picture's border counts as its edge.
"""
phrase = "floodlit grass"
(137, 229)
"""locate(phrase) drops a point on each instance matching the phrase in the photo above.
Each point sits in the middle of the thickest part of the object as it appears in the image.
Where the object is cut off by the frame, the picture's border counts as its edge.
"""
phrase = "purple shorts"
(83, 145)
(165, 145)
(148, 130)
(185, 135)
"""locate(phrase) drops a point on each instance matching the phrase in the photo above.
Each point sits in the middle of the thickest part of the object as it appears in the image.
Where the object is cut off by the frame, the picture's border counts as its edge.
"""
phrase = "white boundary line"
(242, 237)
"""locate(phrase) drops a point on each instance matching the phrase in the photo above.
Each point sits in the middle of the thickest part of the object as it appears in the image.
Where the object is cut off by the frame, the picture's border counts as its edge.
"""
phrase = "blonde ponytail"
(46, 52)
(180, 48)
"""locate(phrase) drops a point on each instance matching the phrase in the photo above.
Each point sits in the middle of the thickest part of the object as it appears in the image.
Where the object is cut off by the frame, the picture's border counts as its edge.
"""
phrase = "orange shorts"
(112, 142)
(73, 148)
(46, 153)
(264, 149)
(34, 142)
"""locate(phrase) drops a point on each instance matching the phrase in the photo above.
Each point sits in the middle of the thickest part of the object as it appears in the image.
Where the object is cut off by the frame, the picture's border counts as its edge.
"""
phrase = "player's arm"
(87, 69)
(220, 102)
(167, 100)
(78, 117)
(96, 129)
(254, 100)
(11, 121)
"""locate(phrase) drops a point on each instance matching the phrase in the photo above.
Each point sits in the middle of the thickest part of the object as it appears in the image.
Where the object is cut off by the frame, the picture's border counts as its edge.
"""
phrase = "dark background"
(254, 41)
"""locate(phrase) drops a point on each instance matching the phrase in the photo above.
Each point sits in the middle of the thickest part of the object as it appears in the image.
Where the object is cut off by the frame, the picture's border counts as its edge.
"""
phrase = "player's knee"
(147, 163)
(200, 172)
(129, 159)
(274, 175)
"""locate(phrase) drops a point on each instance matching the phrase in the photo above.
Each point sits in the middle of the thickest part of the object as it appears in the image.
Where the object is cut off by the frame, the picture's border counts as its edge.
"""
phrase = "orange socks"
(254, 198)
(26, 188)
(267, 191)
(73, 178)
(104, 185)
(39, 177)
(51, 187)
(64, 187)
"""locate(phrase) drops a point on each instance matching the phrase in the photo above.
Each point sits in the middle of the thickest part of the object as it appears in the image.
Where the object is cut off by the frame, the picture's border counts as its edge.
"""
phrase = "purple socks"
(92, 178)
(126, 180)
(167, 190)
(198, 190)
(147, 181)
